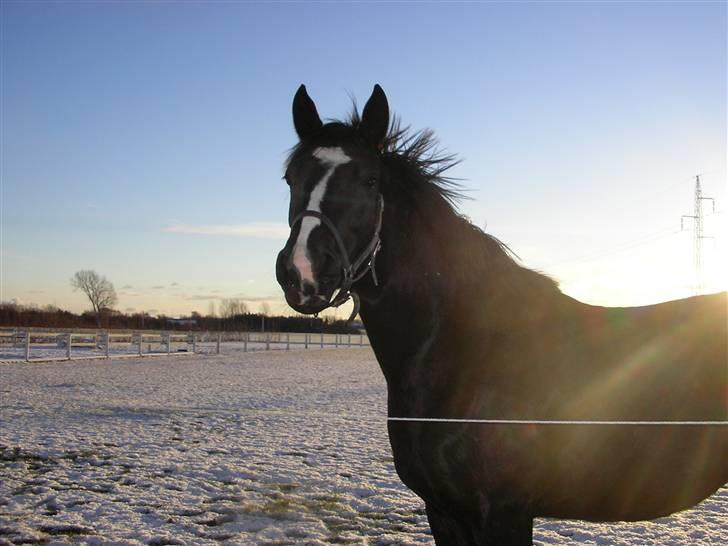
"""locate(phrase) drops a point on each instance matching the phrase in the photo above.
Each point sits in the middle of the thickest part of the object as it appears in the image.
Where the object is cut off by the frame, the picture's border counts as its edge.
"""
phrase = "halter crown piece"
(352, 272)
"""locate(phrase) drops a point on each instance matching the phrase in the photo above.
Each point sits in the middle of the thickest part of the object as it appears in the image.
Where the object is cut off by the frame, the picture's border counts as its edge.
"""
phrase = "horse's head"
(334, 174)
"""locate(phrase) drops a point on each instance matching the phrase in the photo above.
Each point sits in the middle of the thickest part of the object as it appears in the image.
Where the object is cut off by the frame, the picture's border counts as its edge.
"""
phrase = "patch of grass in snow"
(293, 453)
(190, 512)
(376, 516)
(80, 454)
(286, 487)
(164, 541)
(219, 537)
(336, 524)
(218, 520)
(17, 454)
(66, 530)
(223, 498)
(277, 506)
(338, 539)
(323, 503)
(24, 539)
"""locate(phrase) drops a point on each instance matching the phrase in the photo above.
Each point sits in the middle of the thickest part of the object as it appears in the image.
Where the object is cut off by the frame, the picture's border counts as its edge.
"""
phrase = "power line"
(554, 422)
(627, 245)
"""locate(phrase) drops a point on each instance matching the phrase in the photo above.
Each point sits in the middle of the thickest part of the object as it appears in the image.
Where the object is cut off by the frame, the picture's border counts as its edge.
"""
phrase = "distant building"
(182, 321)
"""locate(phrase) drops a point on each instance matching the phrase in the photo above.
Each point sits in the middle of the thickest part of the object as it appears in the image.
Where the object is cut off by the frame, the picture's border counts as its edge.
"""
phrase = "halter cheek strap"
(352, 272)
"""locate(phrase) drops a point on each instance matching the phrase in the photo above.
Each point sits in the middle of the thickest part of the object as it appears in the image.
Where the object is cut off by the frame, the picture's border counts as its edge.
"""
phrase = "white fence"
(31, 345)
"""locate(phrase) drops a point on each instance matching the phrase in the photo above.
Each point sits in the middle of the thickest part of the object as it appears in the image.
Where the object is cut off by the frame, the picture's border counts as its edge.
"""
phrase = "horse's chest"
(462, 462)
(433, 459)
(449, 460)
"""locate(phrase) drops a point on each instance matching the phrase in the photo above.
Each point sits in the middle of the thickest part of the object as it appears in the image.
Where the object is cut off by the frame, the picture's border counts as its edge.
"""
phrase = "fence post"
(194, 343)
(219, 338)
(141, 340)
(69, 340)
(288, 341)
(336, 341)
(245, 341)
(267, 341)
(27, 345)
(305, 340)
(322, 341)
(106, 344)
(169, 342)
(349, 340)
(361, 340)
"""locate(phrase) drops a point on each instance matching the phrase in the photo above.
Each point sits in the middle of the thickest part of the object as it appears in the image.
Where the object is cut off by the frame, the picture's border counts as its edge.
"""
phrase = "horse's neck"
(444, 293)
(405, 314)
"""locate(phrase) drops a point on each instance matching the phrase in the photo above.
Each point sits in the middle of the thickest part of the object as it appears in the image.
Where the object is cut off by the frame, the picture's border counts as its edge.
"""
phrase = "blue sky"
(131, 130)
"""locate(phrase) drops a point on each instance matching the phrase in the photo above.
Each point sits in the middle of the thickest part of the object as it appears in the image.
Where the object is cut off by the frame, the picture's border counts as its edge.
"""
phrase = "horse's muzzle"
(303, 297)
(308, 305)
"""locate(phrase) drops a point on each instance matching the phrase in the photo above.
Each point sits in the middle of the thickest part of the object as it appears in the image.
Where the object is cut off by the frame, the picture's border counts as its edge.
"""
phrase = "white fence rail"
(32, 345)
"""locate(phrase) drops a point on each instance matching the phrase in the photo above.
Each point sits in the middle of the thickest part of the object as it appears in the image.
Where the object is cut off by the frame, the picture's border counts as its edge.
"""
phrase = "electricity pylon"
(697, 218)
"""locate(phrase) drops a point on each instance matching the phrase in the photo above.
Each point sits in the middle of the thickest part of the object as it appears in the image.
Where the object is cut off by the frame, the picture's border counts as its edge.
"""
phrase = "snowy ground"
(260, 448)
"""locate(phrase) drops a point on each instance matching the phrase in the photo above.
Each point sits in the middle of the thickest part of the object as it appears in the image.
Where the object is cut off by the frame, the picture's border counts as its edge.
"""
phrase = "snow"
(270, 448)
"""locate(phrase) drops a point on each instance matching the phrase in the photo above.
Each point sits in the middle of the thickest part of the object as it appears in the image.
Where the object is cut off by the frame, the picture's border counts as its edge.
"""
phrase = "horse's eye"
(285, 177)
(371, 181)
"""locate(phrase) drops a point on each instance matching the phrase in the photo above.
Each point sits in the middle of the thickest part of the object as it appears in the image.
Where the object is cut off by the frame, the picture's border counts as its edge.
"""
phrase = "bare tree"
(99, 290)
(229, 307)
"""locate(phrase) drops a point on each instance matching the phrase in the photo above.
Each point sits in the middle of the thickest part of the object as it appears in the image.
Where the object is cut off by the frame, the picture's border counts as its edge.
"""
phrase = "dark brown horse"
(462, 331)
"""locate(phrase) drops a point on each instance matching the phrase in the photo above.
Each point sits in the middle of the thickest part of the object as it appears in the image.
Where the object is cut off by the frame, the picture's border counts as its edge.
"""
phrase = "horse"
(591, 413)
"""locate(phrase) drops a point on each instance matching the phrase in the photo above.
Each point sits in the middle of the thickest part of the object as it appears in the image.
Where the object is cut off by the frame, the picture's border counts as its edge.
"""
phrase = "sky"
(145, 140)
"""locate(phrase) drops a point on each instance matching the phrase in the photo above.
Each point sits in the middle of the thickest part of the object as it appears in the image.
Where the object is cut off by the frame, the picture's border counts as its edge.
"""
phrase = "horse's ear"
(375, 118)
(305, 117)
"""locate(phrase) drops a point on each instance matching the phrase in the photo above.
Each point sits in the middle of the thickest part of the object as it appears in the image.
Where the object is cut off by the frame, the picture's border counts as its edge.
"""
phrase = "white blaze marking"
(331, 158)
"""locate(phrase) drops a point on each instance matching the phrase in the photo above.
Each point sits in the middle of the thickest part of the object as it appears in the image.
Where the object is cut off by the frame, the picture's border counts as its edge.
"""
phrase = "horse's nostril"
(309, 289)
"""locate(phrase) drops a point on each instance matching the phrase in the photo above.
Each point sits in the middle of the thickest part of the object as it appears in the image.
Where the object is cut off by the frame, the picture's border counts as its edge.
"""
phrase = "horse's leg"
(497, 527)
(447, 529)
(508, 527)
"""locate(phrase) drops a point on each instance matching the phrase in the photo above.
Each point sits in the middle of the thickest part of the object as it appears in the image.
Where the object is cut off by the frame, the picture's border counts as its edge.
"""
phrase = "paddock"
(278, 447)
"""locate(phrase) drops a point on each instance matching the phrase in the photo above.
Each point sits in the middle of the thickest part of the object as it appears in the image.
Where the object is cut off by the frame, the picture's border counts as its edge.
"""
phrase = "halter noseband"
(352, 272)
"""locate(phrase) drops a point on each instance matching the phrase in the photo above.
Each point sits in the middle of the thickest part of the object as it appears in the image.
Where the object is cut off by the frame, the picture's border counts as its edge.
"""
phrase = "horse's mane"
(420, 184)
(420, 178)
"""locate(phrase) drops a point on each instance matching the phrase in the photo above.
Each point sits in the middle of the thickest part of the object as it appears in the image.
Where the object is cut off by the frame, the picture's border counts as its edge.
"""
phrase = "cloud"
(127, 287)
(91, 209)
(256, 298)
(217, 296)
(260, 230)
(158, 287)
(202, 297)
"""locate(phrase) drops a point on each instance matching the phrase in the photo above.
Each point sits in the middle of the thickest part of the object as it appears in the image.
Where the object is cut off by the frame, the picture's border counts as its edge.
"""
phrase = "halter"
(352, 272)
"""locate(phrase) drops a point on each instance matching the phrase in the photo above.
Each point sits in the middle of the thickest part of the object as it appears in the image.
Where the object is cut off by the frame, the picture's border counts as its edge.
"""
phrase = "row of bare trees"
(233, 314)
(27, 316)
